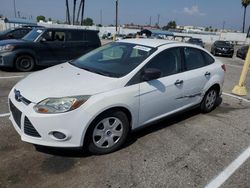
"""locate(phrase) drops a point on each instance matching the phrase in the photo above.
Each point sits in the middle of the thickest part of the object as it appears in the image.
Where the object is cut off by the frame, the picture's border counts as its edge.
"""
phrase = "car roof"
(154, 43)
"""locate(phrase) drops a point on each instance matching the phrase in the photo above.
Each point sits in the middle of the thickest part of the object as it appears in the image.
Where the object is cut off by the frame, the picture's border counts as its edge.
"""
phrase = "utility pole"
(116, 19)
(223, 25)
(158, 19)
(150, 20)
(101, 16)
(14, 1)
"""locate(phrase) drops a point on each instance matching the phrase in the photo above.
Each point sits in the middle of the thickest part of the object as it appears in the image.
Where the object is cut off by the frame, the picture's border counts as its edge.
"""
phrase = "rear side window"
(76, 35)
(92, 36)
(208, 59)
(193, 58)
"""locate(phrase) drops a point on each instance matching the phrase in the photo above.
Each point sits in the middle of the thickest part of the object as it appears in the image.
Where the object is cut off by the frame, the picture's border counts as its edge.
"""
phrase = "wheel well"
(123, 109)
(216, 87)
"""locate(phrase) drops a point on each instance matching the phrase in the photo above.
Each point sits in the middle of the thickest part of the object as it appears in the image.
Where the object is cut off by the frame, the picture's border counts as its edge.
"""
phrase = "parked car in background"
(96, 100)
(223, 48)
(46, 47)
(15, 33)
(196, 41)
(242, 52)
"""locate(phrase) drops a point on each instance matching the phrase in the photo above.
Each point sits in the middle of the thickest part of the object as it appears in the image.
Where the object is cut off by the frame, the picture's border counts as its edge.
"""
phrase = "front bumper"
(37, 128)
(7, 59)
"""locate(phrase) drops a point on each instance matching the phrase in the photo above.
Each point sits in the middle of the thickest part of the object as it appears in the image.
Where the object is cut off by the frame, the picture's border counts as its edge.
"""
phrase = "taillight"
(224, 67)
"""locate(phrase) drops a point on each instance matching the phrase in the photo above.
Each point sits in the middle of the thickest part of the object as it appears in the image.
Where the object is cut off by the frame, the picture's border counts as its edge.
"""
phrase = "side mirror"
(151, 74)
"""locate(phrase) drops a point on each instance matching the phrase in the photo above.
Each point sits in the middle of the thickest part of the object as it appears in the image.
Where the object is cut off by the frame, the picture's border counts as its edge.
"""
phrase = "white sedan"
(95, 101)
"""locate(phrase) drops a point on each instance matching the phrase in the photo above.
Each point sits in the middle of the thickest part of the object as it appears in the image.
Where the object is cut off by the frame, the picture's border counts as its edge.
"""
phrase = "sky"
(185, 12)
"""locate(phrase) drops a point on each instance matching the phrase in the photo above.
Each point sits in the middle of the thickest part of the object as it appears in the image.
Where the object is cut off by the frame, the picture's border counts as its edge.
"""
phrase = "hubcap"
(211, 99)
(25, 63)
(107, 132)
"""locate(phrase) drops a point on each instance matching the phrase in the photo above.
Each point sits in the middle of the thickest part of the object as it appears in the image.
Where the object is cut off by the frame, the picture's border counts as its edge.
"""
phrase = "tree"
(41, 17)
(170, 25)
(88, 22)
(50, 19)
(245, 4)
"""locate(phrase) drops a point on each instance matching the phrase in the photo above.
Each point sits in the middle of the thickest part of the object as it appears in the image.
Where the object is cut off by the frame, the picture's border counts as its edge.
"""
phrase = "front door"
(164, 95)
(52, 48)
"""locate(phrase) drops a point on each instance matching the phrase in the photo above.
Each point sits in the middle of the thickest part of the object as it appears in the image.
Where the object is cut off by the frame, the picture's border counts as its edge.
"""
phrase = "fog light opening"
(59, 135)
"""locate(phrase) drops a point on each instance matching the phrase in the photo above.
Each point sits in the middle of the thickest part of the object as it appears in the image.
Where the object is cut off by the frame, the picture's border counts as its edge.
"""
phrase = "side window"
(168, 62)
(193, 58)
(92, 36)
(75, 35)
(59, 36)
(208, 59)
(51, 36)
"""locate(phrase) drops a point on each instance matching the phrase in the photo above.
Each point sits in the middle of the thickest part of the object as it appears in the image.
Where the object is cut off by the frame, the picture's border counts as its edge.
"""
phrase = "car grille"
(29, 129)
(17, 114)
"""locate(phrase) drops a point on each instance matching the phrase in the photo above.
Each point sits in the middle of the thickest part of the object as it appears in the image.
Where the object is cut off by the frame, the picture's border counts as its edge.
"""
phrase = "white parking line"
(5, 115)
(8, 77)
(236, 97)
(225, 174)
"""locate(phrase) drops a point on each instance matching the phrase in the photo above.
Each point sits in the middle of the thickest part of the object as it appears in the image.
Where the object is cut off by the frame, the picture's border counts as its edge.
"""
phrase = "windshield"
(114, 59)
(32, 35)
(223, 43)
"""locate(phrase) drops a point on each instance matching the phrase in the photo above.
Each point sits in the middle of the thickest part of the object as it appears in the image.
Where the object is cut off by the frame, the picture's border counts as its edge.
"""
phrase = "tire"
(209, 101)
(107, 133)
(25, 63)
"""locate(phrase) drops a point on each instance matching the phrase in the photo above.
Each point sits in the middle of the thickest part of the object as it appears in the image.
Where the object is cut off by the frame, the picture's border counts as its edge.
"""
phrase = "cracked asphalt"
(186, 150)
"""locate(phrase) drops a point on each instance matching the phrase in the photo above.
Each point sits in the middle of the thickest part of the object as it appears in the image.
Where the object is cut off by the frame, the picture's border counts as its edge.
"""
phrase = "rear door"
(198, 71)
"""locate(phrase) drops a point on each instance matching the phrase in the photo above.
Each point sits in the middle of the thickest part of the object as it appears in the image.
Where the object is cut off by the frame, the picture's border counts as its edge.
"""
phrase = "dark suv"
(223, 48)
(47, 46)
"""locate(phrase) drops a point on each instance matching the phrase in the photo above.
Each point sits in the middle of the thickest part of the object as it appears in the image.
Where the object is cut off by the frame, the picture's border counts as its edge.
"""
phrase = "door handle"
(178, 82)
(207, 74)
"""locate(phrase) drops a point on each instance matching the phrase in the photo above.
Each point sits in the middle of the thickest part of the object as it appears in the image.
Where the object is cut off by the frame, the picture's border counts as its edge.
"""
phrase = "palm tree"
(67, 12)
(74, 12)
(244, 3)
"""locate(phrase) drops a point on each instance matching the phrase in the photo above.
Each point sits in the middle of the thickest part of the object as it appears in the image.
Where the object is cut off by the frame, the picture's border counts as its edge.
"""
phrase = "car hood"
(10, 41)
(64, 80)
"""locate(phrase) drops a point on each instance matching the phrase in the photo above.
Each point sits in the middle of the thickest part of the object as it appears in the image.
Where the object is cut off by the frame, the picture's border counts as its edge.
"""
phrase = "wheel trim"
(25, 63)
(107, 132)
(211, 99)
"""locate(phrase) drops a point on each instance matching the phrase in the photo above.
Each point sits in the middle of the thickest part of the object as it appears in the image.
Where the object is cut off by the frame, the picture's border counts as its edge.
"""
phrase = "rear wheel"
(107, 133)
(25, 63)
(209, 101)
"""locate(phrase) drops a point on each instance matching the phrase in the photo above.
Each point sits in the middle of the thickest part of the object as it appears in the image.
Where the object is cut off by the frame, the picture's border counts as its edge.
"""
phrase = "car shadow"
(132, 138)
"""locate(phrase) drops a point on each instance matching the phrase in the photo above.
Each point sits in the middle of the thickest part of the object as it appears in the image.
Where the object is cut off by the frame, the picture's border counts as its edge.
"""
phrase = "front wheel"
(25, 63)
(209, 101)
(107, 133)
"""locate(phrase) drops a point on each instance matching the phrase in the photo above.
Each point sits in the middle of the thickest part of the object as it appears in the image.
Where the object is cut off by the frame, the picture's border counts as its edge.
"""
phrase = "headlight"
(7, 47)
(60, 105)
